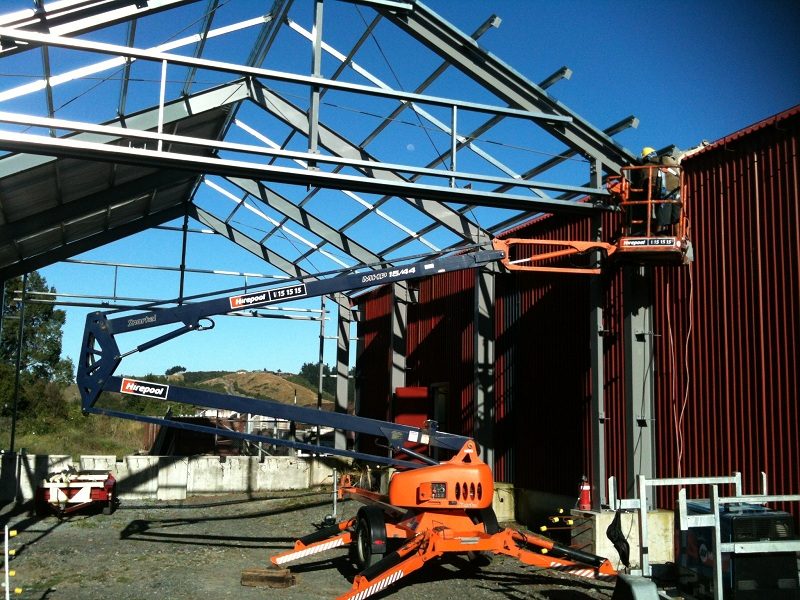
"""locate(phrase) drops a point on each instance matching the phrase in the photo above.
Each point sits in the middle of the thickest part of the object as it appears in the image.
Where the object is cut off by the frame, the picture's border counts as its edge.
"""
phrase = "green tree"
(310, 372)
(42, 333)
(42, 370)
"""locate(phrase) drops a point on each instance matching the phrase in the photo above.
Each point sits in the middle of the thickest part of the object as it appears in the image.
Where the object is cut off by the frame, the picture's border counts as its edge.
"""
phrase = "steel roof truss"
(80, 16)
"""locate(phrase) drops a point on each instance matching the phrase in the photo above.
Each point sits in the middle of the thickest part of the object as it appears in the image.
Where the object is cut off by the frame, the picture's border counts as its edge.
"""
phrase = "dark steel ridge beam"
(75, 18)
(250, 245)
(497, 77)
(91, 242)
(308, 80)
(244, 241)
(291, 211)
(182, 108)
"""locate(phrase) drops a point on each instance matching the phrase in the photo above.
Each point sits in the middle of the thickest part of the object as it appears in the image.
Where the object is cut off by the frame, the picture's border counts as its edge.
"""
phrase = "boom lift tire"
(370, 546)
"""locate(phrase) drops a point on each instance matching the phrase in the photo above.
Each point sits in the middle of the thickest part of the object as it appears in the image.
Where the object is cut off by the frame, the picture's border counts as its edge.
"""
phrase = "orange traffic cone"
(585, 497)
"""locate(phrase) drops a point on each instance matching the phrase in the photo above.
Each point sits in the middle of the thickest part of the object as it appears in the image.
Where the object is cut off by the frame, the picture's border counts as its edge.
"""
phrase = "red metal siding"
(440, 344)
(543, 379)
(374, 330)
(741, 301)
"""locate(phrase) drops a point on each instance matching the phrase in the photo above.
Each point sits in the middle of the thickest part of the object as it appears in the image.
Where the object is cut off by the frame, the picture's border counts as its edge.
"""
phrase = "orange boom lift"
(428, 512)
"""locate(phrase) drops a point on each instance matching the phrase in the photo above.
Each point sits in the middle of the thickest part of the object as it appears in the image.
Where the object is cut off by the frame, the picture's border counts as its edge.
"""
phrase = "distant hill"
(78, 435)
(260, 384)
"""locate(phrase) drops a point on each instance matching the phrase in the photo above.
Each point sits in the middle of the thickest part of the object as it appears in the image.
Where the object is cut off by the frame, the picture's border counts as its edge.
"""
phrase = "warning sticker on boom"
(267, 296)
(144, 388)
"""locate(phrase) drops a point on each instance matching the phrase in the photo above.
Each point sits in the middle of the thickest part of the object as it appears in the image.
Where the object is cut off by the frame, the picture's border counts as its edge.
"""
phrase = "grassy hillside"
(76, 434)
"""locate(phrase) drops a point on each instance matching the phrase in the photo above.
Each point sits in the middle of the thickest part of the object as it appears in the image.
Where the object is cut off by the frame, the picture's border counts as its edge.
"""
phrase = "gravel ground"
(198, 549)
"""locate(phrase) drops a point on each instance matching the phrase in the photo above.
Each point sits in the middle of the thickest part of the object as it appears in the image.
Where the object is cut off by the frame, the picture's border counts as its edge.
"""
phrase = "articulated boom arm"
(100, 356)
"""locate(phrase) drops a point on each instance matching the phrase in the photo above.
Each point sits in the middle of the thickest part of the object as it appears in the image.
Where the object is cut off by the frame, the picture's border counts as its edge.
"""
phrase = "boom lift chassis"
(432, 508)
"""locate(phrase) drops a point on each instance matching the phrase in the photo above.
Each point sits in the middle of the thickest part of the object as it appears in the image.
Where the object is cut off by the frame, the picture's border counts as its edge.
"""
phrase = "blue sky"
(690, 71)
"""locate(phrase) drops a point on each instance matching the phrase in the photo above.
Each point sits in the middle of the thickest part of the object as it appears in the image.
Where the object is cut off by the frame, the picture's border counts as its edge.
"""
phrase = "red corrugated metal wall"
(543, 376)
(729, 398)
(373, 365)
(440, 344)
(736, 381)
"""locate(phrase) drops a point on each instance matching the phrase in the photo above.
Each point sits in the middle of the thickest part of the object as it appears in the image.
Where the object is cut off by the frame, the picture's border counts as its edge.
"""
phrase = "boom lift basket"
(655, 226)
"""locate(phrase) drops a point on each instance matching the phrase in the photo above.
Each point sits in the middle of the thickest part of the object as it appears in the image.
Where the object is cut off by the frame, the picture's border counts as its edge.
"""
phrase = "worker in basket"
(656, 179)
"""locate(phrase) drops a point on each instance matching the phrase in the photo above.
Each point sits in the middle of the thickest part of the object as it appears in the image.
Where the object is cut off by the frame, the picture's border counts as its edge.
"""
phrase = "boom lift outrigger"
(432, 508)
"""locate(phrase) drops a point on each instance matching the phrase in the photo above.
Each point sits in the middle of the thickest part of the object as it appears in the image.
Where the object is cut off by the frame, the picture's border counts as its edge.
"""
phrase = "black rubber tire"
(369, 525)
(111, 505)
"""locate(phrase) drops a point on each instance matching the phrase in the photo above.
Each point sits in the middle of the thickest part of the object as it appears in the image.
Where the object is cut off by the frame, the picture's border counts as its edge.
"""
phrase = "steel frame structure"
(439, 200)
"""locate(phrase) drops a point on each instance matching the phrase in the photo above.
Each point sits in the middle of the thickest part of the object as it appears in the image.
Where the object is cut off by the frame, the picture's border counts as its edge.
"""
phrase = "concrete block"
(173, 473)
(503, 501)
(634, 588)
(98, 462)
(322, 467)
(236, 473)
(204, 475)
(589, 534)
(283, 473)
(137, 477)
(22, 473)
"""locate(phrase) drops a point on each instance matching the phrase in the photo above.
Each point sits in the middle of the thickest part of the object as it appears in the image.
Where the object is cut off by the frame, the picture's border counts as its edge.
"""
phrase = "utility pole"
(20, 339)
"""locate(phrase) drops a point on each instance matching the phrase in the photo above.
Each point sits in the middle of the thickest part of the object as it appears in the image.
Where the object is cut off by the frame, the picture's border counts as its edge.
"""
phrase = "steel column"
(484, 361)
(598, 412)
(639, 389)
(342, 366)
(316, 71)
(400, 301)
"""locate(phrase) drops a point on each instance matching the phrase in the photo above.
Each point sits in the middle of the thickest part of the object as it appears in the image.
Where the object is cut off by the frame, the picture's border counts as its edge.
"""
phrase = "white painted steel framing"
(226, 67)
(687, 521)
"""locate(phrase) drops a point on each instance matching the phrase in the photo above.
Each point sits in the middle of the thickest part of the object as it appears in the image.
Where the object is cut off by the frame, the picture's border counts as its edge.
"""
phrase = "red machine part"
(423, 513)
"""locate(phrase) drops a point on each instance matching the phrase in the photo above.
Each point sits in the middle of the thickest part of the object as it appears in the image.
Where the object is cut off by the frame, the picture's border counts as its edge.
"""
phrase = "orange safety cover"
(463, 482)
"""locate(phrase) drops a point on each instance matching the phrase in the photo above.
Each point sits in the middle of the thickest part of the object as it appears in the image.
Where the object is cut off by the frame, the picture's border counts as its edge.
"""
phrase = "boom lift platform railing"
(654, 229)
(432, 508)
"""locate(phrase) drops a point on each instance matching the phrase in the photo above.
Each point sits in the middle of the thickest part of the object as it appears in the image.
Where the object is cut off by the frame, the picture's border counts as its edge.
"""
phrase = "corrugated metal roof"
(768, 122)
(47, 205)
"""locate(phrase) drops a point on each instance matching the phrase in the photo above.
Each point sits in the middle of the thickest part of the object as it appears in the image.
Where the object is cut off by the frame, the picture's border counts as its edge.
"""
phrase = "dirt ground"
(198, 548)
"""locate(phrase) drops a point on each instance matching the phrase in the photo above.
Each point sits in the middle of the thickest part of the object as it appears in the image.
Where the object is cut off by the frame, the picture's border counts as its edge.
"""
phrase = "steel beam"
(484, 361)
(74, 17)
(401, 298)
(343, 321)
(299, 215)
(244, 241)
(93, 151)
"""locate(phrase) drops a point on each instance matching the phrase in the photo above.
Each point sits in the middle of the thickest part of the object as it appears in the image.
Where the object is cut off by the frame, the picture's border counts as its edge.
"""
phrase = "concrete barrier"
(172, 478)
